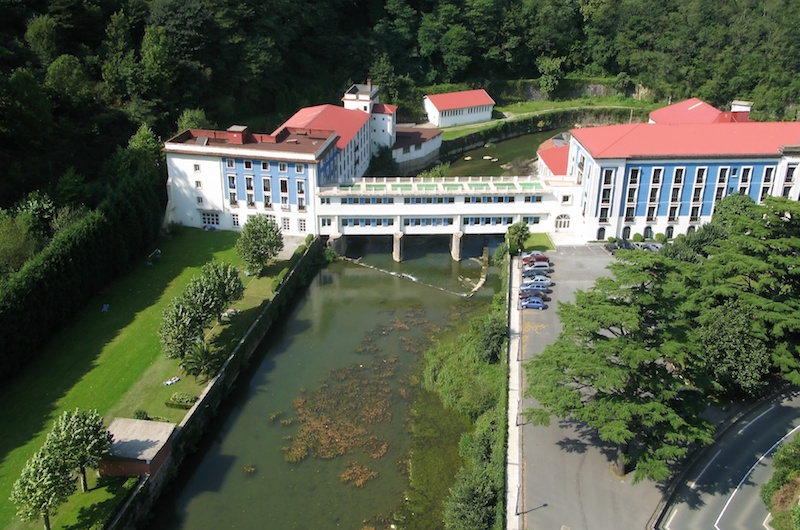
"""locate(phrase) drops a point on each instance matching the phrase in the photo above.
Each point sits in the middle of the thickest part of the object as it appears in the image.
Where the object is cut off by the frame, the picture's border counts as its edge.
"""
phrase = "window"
(406, 150)
(626, 232)
(603, 215)
(696, 194)
(299, 168)
(608, 174)
(301, 187)
(197, 168)
(229, 163)
(232, 182)
(673, 213)
(301, 203)
(264, 166)
(676, 194)
(648, 232)
(266, 185)
(695, 215)
(679, 175)
(285, 223)
(199, 200)
(606, 196)
(669, 232)
(301, 225)
(283, 167)
(634, 177)
(657, 175)
(629, 213)
(248, 183)
(210, 218)
(601, 234)
(198, 184)
(533, 198)
(631, 194)
(562, 221)
(532, 220)
(720, 191)
(248, 164)
(251, 200)
(325, 221)
(651, 213)
(768, 172)
(654, 195)
(232, 198)
(235, 219)
(745, 178)
(284, 186)
(566, 199)
(723, 175)
(284, 202)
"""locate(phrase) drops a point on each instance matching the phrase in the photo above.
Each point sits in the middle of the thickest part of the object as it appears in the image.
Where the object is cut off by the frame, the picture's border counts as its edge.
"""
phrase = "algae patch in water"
(357, 474)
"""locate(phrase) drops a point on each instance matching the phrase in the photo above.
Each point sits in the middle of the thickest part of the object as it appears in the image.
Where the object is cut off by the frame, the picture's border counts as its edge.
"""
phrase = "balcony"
(604, 220)
(629, 219)
(651, 218)
(694, 218)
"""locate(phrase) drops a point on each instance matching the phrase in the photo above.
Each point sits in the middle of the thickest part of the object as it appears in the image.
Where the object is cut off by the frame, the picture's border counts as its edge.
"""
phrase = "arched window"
(669, 232)
(601, 234)
(691, 229)
(562, 221)
(648, 232)
(626, 232)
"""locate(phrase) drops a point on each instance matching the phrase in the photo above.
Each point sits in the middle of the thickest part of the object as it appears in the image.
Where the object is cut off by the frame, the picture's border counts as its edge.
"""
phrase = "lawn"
(111, 361)
(538, 241)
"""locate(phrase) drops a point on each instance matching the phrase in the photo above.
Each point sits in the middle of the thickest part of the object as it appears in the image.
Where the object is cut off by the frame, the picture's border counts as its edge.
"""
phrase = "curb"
(661, 509)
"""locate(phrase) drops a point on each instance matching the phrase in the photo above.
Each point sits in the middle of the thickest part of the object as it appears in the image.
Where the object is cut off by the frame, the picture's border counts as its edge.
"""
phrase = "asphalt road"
(721, 491)
(567, 478)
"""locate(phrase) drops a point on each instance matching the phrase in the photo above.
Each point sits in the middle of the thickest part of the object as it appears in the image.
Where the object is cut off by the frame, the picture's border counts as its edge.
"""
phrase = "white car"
(537, 279)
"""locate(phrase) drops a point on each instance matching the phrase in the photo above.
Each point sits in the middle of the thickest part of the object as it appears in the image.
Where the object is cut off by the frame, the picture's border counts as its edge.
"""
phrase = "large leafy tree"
(43, 486)
(81, 439)
(612, 367)
(209, 293)
(261, 240)
(181, 325)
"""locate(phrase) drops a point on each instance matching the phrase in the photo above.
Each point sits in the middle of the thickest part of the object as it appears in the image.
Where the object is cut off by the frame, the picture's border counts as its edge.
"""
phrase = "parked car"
(533, 259)
(532, 287)
(624, 244)
(534, 294)
(531, 273)
(531, 253)
(544, 265)
(541, 279)
(532, 303)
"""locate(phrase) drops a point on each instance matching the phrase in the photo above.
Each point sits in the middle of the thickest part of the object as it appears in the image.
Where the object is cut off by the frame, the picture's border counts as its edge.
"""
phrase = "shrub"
(141, 415)
(612, 239)
(660, 238)
(181, 400)
(278, 280)
(638, 238)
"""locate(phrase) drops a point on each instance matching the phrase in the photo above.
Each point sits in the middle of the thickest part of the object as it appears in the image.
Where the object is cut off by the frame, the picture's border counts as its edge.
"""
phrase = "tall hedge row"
(54, 284)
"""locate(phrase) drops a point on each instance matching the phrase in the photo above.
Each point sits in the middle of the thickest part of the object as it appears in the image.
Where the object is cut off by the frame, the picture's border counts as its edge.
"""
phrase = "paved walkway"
(514, 459)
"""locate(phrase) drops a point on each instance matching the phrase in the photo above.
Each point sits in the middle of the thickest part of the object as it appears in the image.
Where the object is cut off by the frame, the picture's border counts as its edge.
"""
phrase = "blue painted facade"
(271, 173)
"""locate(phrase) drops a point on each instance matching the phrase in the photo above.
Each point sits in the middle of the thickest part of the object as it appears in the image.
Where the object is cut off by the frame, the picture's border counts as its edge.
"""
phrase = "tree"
(209, 293)
(16, 245)
(383, 163)
(180, 327)
(81, 439)
(612, 367)
(67, 80)
(550, 73)
(194, 119)
(42, 37)
(200, 360)
(43, 486)
(729, 352)
(517, 235)
(261, 240)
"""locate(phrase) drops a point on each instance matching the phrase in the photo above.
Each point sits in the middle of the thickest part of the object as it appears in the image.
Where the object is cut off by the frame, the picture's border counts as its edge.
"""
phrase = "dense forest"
(79, 76)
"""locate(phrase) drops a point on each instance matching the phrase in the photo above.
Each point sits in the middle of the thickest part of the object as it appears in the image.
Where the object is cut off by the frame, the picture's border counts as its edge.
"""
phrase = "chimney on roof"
(237, 134)
(369, 83)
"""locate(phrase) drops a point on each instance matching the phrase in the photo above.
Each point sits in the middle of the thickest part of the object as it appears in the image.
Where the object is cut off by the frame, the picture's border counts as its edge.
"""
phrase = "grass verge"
(111, 361)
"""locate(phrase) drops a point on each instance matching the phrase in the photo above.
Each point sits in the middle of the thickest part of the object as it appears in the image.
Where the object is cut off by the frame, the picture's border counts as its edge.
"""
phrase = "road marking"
(671, 517)
(693, 484)
(749, 472)
(755, 420)
(765, 524)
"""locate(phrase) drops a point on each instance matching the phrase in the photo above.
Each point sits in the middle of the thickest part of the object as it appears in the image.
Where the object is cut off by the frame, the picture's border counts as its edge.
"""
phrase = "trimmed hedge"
(53, 285)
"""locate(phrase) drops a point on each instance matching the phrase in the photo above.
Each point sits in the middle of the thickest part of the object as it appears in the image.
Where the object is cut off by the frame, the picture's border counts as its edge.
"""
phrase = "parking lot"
(567, 481)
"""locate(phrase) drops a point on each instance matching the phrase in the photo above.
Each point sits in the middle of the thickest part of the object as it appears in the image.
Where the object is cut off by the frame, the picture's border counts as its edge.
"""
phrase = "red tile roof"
(556, 158)
(345, 122)
(383, 108)
(653, 140)
(460, 100)
(692, 110)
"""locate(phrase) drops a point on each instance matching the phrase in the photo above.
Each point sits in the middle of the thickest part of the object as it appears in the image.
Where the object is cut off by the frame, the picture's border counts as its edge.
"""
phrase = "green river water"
(337, 375)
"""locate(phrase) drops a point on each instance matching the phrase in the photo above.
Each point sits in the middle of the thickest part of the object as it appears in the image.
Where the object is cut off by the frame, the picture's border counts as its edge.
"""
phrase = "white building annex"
(458, 108)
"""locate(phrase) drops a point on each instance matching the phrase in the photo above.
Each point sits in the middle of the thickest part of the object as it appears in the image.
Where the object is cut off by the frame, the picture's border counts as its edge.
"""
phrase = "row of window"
(283, 167)
(285, 222)
(427, 221)
(266, 184)
(430, 200)
(250, 199)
